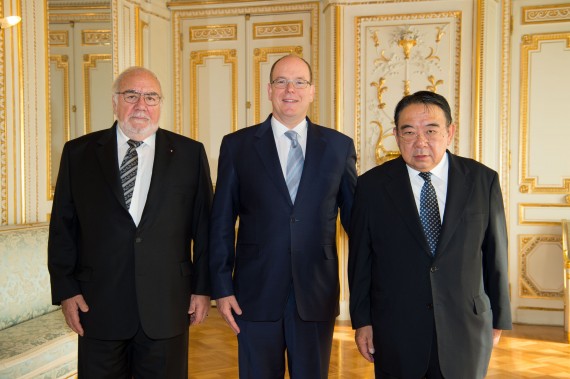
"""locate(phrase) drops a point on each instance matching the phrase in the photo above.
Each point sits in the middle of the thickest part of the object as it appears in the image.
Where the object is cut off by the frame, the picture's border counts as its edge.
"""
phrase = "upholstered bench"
(35, 342)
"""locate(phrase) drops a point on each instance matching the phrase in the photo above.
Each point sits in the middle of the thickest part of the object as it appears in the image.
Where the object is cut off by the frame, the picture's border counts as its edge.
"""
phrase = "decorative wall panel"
(396, 56)
(540, 266)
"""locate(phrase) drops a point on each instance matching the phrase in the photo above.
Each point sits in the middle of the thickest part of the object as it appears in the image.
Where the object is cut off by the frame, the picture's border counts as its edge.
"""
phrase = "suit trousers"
(262, 346)
(433, 370)
(138, 357)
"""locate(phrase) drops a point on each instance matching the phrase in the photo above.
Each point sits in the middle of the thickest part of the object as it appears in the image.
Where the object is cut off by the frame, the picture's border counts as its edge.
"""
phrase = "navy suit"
(280, 245)
(404, 293)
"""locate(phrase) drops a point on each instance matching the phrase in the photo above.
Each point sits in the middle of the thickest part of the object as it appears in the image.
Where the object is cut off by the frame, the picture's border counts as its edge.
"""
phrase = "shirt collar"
(122, 138)
(440, 171)
(279, 129)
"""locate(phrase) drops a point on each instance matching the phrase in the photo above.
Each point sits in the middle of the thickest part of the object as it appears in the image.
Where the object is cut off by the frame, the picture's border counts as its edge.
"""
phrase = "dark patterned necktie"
(429, 212)
(129, 170)
(294, 165)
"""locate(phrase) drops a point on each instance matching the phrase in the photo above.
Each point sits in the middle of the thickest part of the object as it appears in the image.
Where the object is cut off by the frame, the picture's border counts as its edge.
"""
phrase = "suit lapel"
(459, 188)
(107, 156)
(400, 190)
(314, 153)
(264, 145)
(163, 153)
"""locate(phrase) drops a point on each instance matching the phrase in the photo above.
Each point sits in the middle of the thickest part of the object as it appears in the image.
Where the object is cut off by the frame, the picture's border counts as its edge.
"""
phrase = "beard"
(136, 132)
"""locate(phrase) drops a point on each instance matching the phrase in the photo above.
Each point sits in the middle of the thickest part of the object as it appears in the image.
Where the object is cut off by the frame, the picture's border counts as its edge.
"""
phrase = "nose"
(421, 139)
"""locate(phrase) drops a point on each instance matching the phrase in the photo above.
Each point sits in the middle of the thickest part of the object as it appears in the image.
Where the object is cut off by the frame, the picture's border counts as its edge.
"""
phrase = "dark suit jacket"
(128, 273)
(280, 244)
(399, 289)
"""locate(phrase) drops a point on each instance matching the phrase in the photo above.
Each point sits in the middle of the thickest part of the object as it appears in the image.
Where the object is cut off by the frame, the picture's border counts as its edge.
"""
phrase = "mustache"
(139, 115)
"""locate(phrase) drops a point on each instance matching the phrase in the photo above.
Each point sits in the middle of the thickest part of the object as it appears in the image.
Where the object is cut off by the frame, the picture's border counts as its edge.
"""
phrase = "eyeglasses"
(133, 97)
(297, 83)
(431, 135)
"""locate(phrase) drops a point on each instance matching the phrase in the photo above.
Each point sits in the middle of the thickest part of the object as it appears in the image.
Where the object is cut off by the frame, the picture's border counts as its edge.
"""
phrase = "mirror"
(80, 73)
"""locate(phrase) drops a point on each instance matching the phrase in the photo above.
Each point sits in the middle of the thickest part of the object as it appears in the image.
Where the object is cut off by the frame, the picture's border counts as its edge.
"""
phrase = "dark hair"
(423, 97)
(291, 55)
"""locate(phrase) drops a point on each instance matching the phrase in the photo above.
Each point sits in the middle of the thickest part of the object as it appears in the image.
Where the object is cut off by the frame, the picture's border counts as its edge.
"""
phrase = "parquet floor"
(537, 352)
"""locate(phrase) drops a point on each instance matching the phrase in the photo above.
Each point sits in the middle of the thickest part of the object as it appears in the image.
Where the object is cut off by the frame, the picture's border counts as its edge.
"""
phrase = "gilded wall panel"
(3, 134)
(93, 65)
(542, 214)
(546, 14)
(540, 266)
(96, 37)
(542, 140)
(396, 56)
(277, 29)
(200, 90)
(59, 126)
(213, 33)
(58, 38)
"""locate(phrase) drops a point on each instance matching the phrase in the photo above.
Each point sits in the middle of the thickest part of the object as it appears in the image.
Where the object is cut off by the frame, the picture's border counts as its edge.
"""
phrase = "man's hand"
(225, 307)
(363, 338)
(71, 308)
(199, 308)
(496, 336)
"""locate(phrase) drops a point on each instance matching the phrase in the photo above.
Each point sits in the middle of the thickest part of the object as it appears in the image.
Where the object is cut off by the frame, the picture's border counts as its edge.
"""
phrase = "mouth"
(290, 101)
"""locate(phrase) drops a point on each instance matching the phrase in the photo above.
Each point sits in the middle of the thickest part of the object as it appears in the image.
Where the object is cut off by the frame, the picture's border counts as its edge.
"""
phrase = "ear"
(450, 133)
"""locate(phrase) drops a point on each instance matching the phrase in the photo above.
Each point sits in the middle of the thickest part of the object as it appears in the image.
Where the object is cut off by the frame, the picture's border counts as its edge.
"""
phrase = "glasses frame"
(430, 135)
(144, 95)
(296, 83)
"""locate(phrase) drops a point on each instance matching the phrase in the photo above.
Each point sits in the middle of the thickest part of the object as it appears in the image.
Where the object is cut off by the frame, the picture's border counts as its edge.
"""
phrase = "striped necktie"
(129, 170)
(294, 164)
(429, 212)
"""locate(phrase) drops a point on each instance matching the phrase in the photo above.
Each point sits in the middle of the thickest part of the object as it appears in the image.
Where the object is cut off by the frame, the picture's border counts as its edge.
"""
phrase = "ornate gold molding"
(64, 18)
(523, 220)
(528, 184)
(528, 288)
(260, 56)
(197, 58)
(178, 16)
(545, 14)
(58, 38)
(282, 29)
(90, 61)
(3, 132)
(62, 63)
(406, 37)
(96, 37)
(227, 32)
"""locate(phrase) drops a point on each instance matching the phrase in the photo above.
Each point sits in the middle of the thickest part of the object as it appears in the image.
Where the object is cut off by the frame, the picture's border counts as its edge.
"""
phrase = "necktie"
(294, 164)
(429, 212)
(129, 170)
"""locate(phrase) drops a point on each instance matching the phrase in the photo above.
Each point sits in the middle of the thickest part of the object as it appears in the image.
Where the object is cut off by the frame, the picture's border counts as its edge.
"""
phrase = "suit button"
(433, 269)
(429, 306)
(293, 220)
(138, 240)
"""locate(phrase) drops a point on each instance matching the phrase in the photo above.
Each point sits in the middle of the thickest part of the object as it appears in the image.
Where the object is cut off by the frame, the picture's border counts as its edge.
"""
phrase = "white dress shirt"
(283, 142)
(144, 171)
(439, 176)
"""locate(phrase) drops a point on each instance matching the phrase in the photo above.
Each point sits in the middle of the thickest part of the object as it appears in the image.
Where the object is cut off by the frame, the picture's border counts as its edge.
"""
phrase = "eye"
(131, 97)
(408, 133)
(152, 98)
(280, 81)
(431, 132)
(300, 83)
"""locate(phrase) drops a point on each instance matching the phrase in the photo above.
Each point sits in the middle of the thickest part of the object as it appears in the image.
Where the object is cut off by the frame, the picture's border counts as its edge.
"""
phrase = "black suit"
(129, 275)
(281, 247)
(403, 292)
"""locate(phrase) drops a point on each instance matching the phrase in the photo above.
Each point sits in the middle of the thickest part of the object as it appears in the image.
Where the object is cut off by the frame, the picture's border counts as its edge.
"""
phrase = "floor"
(537, 352)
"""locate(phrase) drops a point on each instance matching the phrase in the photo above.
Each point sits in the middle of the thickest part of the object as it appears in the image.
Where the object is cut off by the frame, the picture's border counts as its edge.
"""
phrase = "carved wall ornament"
(404, 58)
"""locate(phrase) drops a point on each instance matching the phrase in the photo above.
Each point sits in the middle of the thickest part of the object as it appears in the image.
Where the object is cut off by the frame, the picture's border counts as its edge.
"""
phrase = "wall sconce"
(9, 21)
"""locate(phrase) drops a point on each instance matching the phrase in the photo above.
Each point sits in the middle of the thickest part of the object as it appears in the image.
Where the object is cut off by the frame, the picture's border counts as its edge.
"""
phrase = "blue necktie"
(129, 170)
(294, 164)
(429, 212)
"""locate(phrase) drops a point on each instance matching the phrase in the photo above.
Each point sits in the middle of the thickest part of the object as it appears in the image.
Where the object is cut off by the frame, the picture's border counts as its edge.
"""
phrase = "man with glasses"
(427, 265)
(277, 286)
(129, 204)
